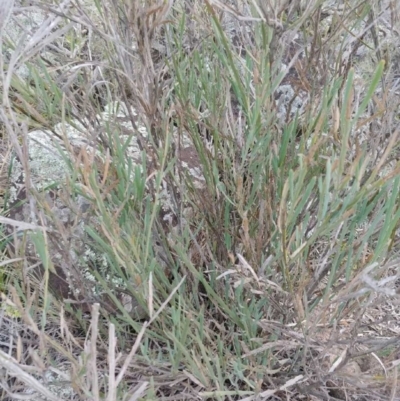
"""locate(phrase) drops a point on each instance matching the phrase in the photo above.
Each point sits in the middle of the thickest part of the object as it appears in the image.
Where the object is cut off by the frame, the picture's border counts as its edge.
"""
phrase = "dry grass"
(241, 215)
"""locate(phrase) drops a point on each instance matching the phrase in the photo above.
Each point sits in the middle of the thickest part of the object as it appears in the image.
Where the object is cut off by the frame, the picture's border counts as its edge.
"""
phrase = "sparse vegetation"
(216, 212)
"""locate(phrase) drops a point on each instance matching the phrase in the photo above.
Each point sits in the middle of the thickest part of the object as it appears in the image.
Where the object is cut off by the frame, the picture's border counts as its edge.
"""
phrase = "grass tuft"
(201, 200)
